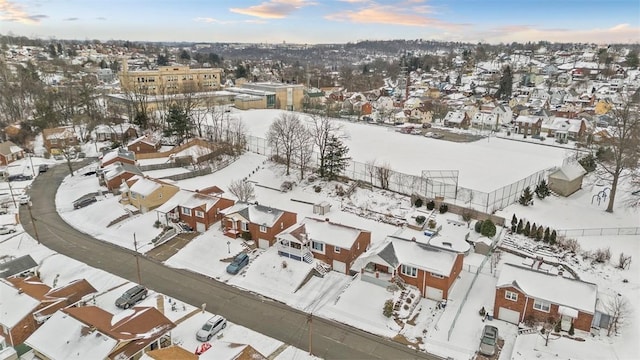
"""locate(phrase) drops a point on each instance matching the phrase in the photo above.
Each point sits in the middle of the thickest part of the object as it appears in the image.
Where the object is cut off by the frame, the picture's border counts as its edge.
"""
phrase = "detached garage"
(567, 179)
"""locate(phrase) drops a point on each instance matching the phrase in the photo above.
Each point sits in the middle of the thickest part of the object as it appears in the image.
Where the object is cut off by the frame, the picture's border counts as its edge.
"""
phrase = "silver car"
(211, 327)
(489, 340)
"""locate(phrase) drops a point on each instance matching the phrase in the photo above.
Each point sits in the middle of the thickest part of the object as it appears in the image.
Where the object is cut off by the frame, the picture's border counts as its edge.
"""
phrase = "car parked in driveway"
(84, 202)
(241, 260)
(132, 297)
(489, 340)
(211, 327)
(4, 230)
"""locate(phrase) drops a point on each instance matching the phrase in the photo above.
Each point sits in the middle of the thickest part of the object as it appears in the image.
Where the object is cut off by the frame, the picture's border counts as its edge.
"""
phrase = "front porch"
(377, 274)
(294, 250)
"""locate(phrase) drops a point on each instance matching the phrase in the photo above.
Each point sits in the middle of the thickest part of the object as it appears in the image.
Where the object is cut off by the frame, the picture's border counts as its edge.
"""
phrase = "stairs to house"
(321, 268)
(527, 331)
(308, 258)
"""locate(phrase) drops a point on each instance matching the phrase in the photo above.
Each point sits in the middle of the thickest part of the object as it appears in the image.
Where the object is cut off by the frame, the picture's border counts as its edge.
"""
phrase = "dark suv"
(131, 297)
(84, 202)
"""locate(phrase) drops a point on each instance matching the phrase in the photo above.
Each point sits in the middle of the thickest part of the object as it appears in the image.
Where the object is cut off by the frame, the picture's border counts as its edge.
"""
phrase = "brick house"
(89, 332)
(118, 155)
(119, 132)
(57, 139)
(528, 125)
(262, 223)
(144, 144)
(30, 302)
(432, 270)
(336, 244)
(10, 152)
(458, 119)
(114, 175)
(524, 293)
(198, 210)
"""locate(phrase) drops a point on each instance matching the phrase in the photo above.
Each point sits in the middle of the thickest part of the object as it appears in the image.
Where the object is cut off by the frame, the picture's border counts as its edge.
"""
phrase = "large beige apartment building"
(170, 79)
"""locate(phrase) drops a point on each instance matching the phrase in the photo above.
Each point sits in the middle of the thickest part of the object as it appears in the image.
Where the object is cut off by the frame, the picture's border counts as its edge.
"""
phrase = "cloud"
(621, 33)
(404, 14)
(101, 18)
(210, 20)
(273, 9)
(72, 19)
(10, 11)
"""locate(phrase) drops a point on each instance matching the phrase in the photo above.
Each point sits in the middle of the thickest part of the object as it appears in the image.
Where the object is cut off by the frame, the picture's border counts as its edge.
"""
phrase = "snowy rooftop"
(400, 251)
(255, 214)
(556, 289)
(331, 233)
(64, 337)
(145, 187)
(569, 172)
(14, 305)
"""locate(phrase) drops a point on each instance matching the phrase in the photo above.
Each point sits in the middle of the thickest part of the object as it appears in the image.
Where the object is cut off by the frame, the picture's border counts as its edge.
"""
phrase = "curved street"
(330, 339)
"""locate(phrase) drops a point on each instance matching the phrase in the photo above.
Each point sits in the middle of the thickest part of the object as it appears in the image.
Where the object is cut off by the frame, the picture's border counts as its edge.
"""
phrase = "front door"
(565, 323)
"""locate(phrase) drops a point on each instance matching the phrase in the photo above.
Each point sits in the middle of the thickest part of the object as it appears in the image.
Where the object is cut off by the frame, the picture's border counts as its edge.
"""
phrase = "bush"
(406, 307)
(388, 308)
(478, 226)
(420, 219)
(443, 208)
(466, 215)
(588, 163)
(602, 255)
(431, 224)
(558, 327)
(571, 245)
(488, 229)
(418, 203)
(431, 205)
(246, 236)
(156, 224)
(317, 188)
(284, 264)
(571, 330)
(408, 300)
(527, 229)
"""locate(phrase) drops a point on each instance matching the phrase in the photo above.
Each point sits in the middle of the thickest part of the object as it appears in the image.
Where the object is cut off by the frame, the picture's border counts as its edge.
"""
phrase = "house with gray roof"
(18, 266)
(259, 223)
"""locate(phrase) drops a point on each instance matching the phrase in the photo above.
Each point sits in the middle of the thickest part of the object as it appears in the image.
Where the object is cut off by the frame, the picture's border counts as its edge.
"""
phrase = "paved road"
(330, 340)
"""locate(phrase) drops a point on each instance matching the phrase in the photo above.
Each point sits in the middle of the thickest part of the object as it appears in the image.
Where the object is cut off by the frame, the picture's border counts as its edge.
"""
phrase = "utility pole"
(310, 320)
(135, 246)
(33, 221)
(13, 198)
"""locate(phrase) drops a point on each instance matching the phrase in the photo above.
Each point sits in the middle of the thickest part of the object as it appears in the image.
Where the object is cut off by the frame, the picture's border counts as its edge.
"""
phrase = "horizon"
(325, 21)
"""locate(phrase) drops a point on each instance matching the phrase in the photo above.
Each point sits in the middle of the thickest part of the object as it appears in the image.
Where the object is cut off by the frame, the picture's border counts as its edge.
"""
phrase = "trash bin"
(489, 316)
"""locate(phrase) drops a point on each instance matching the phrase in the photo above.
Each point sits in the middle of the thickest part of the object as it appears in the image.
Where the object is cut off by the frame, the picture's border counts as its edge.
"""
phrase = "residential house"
(147, 194)
(528, 125)
(27, 302)
(420, 115)
(57, 139)
(18, 266)
(120, 155)
(120, 132)
(256, 222)
(144, 144)
(114, 175)
(564, 129)
(567, 179)
(432, 270)
(485, 120)
(458, 119)
(89, 332)
(10, 152)
(528, 294)
(336, 244)
(196, 209)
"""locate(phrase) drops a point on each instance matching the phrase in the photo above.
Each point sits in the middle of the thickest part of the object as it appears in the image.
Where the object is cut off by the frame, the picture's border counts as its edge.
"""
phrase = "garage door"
(508, 315)
(200, 227)
(434, 293)
(339, 266)
(263, 243)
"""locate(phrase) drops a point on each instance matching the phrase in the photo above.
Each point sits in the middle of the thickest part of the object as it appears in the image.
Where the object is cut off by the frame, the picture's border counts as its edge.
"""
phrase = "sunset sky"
(325, 21)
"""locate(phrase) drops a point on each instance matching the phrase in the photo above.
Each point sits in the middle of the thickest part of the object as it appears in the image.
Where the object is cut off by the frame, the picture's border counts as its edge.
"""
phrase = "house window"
(186, 211)
(317, 246)
(263, 229)
(336, 249)
(541, 305)
(200, 214)
(409, 270)
(437, 276)
(160, 196)
(510, 295)
(245, 226)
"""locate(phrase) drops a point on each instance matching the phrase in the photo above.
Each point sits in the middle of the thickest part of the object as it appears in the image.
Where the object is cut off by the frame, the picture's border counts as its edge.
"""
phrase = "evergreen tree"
(514, 223)
(459, 80)
(505, 85)
(184, 55)
(542, 190)
(141, 119)
(547, 235)
(520, 227)
(632, 59)
(240, 72)
(103, 64)
(539, 233)
(526, 197)
(336, 158)
(177, 124)
(488, 229)
(527, 229)
(162, 60)
(533, 230)
(552, 238)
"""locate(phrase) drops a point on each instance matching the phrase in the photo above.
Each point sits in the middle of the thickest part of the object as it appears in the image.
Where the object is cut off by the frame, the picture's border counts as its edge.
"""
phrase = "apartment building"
(174, 79)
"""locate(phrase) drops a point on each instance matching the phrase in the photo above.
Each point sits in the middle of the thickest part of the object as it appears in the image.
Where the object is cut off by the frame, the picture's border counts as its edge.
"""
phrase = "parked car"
(132, 297)
(4, 230)
(241, 260)
(19, 177)
(426, 125)
(24, 199)
(84, 202)
(211, 327)
(43, 168)
(489, 340)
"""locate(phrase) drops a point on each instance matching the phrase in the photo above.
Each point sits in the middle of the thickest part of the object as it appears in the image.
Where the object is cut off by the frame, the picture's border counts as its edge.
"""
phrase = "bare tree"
(370, 169)
(618, 309)
(323, 129)
(282, 136)
(622, 150)
(303, 149)
(548, 327)
(383, 172)
(242, 189)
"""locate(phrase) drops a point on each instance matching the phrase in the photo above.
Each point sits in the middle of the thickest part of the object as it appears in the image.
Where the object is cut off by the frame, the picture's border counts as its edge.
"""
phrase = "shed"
(321, 208)
(483, 245)
(567, 179)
